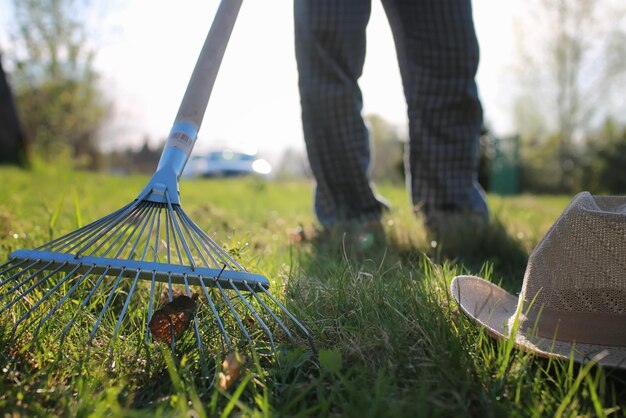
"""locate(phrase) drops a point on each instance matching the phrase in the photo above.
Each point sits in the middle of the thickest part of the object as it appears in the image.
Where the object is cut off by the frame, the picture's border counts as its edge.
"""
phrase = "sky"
(147, 50)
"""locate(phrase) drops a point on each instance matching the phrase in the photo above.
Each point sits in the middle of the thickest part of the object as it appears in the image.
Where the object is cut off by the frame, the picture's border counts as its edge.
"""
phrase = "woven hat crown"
(580, 264)
(575, 283)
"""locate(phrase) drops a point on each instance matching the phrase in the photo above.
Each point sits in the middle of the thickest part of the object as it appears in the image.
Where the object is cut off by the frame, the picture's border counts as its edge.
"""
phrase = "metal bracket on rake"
(146, 270)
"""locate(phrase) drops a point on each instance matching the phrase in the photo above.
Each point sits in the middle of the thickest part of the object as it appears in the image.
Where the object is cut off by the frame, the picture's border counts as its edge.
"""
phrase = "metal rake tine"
(152, 282)
(156, 238)
(167, 237)
(121, 229)
(205, 369)
(6, 263)
(149, 316)
(153, 218)
(194, 230)
(43, 299)
(172, 231)
(291, 316)
(169, 288)
(62, 301)
(83, 304)
(195, 243)
(123, 314)
(64, 240)
(144, 216)
(225, 258)
(192, 263)
(30, 289)
(255, 314)
(216, 315)
(144, 223)
(106, 305)
(109, 232)
(124, 213)
(210, 247)
(189, 227)
(69, 238)
(234, 312)
(170, 298)
(82, 243)
(270, 311)
(11, 267)
(150, 306)
(18, 274)
(92, 236)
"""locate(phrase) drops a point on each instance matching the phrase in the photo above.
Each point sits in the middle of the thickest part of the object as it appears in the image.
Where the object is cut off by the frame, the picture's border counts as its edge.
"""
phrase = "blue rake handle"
(163, 185)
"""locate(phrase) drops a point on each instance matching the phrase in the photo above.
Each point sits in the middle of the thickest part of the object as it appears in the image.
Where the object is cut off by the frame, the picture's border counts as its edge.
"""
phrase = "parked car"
(226, 163)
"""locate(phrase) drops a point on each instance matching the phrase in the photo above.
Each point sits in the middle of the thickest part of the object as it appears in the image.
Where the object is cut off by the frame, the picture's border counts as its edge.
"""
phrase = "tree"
(56, 86)
(13, 148)
(605, 162)
(571, 63)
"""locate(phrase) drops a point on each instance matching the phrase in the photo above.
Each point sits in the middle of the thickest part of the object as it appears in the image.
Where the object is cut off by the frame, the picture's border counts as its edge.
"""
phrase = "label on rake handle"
(182, 136)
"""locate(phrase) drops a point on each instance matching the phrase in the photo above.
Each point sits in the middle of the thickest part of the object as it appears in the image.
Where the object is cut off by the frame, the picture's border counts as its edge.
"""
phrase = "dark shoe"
(360, 235)
(454, 233)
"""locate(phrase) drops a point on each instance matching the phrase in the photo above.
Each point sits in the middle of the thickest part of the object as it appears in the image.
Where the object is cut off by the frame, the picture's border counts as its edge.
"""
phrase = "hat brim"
(493, 308)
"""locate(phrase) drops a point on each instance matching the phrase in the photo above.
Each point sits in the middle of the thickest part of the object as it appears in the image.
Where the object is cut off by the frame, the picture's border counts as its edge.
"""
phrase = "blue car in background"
(226, 163)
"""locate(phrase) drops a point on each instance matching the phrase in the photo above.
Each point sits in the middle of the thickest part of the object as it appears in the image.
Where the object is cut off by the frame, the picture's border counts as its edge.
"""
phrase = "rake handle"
(200, 85)
(163, 187)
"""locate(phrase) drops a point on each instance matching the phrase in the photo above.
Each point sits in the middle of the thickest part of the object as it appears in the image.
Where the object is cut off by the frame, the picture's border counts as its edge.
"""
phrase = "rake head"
(109, 273)
(124, 262)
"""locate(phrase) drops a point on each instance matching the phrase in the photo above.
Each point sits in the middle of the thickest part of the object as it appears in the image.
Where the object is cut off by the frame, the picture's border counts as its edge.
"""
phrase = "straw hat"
(573, 299)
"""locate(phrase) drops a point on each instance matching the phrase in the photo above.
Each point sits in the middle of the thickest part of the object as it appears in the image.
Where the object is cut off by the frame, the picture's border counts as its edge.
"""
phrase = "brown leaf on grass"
(173, 318)
(230, 370)
(297, 235)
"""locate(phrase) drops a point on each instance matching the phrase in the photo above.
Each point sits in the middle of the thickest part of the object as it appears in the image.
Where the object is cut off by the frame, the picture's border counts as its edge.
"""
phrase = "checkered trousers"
(438, 56)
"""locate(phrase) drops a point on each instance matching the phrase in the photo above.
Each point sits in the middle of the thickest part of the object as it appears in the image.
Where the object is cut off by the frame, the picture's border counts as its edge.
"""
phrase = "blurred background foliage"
(60, 103)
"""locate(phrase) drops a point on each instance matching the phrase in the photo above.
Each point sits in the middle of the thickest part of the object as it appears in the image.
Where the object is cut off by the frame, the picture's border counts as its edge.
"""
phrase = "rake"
(147, 245)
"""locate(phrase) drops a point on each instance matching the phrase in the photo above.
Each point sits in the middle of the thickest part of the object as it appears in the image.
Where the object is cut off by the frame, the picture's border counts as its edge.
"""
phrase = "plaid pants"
(437, 53)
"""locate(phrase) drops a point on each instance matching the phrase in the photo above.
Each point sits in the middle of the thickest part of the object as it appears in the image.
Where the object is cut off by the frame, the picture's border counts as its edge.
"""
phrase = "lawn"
(389, 340)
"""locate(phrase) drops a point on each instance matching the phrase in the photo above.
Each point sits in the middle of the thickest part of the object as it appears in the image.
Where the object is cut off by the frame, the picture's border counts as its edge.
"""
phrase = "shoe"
(455, 233)
(361, 235)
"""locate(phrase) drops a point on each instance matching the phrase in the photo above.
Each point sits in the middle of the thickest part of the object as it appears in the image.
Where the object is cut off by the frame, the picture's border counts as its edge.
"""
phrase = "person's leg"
(330, 52)
(438, 56)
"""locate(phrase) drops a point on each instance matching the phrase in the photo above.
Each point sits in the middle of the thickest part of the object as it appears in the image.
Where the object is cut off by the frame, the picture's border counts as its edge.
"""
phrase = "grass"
(390, 341)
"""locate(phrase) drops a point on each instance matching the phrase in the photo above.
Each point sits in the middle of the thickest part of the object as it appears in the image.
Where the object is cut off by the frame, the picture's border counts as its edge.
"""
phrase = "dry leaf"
(173, 318)
(297, 235)
(230, 370)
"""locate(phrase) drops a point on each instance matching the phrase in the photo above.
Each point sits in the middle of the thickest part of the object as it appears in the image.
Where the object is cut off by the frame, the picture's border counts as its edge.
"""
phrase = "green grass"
(390, 340)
